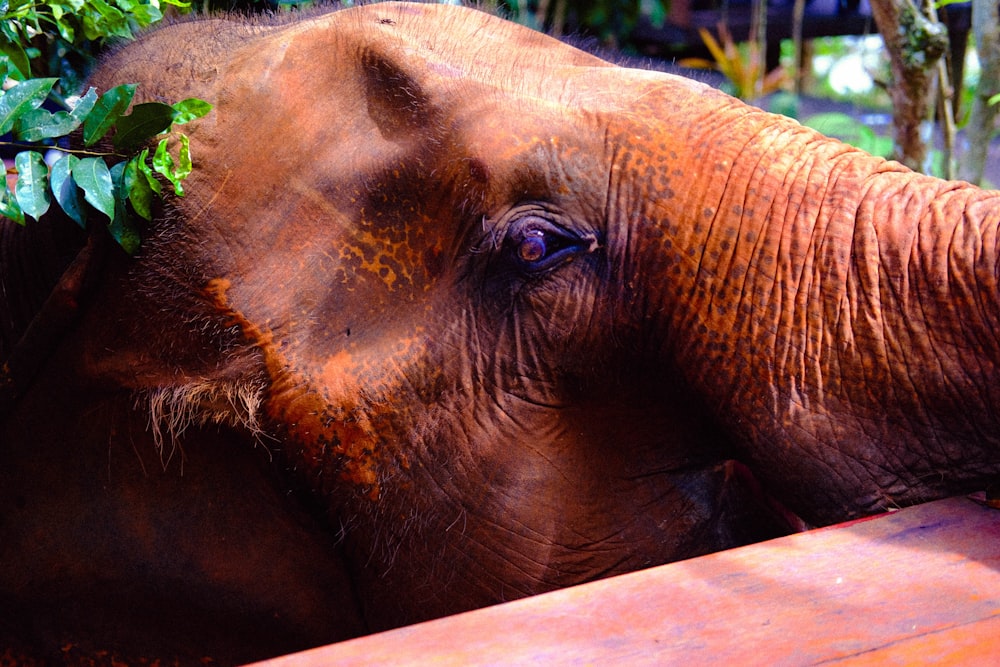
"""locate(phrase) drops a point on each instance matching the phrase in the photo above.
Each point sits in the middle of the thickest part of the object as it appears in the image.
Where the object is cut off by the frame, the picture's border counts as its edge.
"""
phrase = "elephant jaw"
(522, 517)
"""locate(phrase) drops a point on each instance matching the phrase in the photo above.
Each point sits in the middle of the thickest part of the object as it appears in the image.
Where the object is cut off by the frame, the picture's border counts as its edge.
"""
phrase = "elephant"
(453, 313)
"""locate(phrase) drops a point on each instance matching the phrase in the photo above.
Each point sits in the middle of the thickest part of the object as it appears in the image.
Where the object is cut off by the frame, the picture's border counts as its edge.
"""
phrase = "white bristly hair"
(198, 403)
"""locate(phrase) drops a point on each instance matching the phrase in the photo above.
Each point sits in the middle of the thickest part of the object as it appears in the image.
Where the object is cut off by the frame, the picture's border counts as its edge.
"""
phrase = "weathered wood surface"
(921, 585)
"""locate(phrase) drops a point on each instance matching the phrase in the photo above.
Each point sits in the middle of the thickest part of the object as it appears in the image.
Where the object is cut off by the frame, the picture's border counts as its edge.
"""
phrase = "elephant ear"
(395, 101)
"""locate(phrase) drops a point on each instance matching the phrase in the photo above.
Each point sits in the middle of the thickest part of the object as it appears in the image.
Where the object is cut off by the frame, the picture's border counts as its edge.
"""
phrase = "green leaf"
(22, 98)
(147, 171)
(94, 178)
(103, 20)
(144, 15)
(164, 163)
(71, 6)
(145, 121)
(881, 146)
(108, 109)
(17, 57)
(32, 190)
(66, 30)
(15, 30)
(65, 190)
(84, 105)
(187, 110)
(124, 231)
(137, 187)
(9, 207)
(184, 165)
(39, 124)
(121, 227)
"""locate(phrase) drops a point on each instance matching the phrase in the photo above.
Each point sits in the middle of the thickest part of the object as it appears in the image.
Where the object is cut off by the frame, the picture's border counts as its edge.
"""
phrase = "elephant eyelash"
(492, 235)
(491, 240)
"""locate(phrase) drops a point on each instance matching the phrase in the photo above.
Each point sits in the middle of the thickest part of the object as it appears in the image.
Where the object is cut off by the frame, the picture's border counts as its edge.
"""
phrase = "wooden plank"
(918, 585)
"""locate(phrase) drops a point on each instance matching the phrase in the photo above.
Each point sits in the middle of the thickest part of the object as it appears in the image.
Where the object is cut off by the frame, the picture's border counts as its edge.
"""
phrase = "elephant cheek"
(331, 442)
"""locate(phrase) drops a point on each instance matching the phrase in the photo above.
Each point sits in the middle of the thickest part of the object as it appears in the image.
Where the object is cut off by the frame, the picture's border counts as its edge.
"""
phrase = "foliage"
(828, 52)
(73, 181)
(57, 37)
(611, 21)
(118, 185)
(743, 65)
(980, 126)
(854, 132)
(850, 131)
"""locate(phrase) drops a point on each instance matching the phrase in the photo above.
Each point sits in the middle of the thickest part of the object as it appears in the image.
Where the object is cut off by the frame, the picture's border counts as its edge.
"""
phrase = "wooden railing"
(917, 586)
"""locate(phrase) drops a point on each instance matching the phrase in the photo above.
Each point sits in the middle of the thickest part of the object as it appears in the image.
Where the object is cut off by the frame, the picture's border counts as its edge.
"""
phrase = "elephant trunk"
(840, 311)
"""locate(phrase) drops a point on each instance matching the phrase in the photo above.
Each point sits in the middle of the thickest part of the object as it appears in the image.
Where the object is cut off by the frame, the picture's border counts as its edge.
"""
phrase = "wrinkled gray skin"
(505, 315)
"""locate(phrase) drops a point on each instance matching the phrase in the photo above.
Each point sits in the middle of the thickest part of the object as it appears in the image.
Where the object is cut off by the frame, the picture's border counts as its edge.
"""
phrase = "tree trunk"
(980, 128)
(915, 43)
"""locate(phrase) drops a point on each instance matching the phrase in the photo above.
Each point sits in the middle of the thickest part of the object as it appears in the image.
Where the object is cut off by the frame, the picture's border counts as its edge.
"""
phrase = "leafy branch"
(57, 37)
(72, 181)
(743, 65)
(118, 185)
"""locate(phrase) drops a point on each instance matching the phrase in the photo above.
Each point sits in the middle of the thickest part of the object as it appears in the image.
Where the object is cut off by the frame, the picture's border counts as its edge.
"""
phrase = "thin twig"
(72, 151)
(944, 107)
(946, 93)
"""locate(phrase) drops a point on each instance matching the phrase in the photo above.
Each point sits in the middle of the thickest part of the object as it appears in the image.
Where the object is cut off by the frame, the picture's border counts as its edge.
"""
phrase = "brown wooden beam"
(917, 586)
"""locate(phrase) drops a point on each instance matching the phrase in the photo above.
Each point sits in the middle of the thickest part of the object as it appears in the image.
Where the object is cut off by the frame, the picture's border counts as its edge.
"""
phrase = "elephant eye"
(537, 244)
(533, 246)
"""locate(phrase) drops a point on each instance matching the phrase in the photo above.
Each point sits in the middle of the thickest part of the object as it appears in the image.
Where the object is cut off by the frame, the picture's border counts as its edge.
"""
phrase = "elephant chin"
(685, 513)
(496, 549)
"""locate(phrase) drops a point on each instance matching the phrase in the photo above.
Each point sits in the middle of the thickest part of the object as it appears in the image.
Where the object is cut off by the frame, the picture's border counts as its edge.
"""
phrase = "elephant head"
(509, 312)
